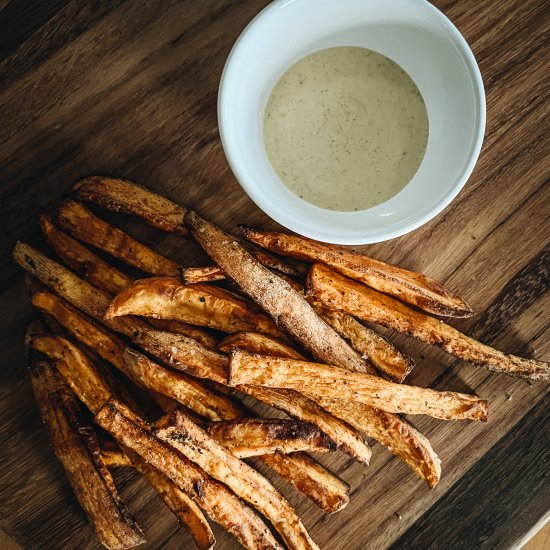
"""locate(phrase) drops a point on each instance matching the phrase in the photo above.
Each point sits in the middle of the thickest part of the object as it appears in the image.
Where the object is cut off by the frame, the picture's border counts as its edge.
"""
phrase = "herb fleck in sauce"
(345, 128)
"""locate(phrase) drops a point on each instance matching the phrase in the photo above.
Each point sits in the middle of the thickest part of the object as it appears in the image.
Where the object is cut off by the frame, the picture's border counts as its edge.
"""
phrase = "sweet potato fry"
(208, 274)
(75, 445)
(311, 478)
(354, 298)
(414, 288)
(257, 436)
(298, 406)
(246, 482)
(293, 313)
(223, 506)
(125, 196)
(179, 387)
(204, 305)
(82, 260)
(254, 342)
(373, 347)
(179, 351)
(317, 379)
(185, 329)
(85, 226)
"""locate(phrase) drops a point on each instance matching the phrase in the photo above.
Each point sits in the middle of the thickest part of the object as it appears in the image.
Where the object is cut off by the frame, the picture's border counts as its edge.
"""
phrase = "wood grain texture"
(128, 88)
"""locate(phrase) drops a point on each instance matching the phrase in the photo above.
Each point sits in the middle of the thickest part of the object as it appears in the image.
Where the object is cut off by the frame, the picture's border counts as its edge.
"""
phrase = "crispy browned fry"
(179, 351)
(201, 304)
(317, 379)
(257, 436)
(213, 497)
(408, 286)
(298, 406)
(342, 293)
(178, 327)
(255, 342)
(79, 258)
(373, 347)
(179, 387)
(114, 458)
(291, 310)
(246, 482)
(329, 491)
(85, 226)
(129, 197)
(208, 274)
(86, 381)
(75, 445)
(182, 505)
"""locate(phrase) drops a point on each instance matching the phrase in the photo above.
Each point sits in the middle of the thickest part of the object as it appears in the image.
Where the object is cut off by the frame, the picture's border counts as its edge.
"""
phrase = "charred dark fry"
(408, 286)
(128, 197)
(212, 496)
(246, 482)
(326, 381)
(76, 446)
(294, 314)
(204, 305)
(257, 436)
(342, 293)
(84, 226)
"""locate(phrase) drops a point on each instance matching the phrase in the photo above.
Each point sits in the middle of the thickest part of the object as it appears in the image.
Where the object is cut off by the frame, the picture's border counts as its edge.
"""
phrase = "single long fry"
(411, 287)
(179, 387)
(293, 313)
(82, 260)
(94, 302)
(298, 406)
(75, 218)
(125, 196)
(205, 305)
(311, 478)
(257, 436)
(317, 379)
(75, 445)
(246, 482)
(373, 347)
(255, 342)
(212, 496)
(342, 293)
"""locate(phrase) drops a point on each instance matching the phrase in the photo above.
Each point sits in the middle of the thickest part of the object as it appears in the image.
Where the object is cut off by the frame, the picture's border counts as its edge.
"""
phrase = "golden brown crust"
(199, 304)
(257, 436)
(342, 293)
(319, 380)
(212, 496)
(255, 342)
(296, 405)
(208, 274)
(243, 480)
(181, 388)
(131, 198)
(185, 329)
(76, 446)
(75, 218)
(411, 287)
(373, 347)
(311, 478)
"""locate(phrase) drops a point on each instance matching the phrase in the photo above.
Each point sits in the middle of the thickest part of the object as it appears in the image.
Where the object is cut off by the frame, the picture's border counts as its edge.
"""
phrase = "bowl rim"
(384, 234)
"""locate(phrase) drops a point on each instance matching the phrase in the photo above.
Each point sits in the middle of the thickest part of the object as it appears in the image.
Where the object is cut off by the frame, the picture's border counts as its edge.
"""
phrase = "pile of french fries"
(160, 364)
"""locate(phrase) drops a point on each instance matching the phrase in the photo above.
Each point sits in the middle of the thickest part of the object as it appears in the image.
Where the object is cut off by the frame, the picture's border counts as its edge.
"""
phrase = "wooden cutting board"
(129, 89)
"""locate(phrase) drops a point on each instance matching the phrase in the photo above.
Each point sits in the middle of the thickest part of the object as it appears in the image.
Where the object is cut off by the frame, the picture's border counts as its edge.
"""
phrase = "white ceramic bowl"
(416, 36)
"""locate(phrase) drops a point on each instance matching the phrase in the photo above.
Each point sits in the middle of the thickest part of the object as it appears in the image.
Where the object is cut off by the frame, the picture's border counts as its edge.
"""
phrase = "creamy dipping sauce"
(345, 128)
